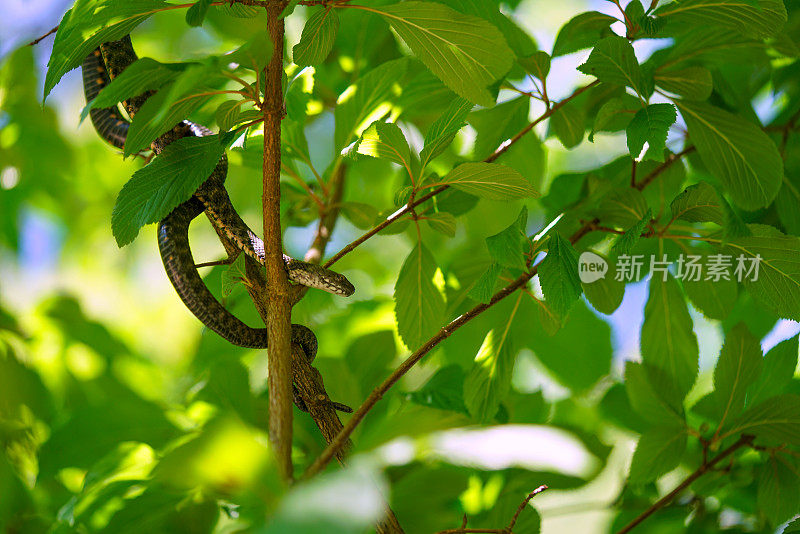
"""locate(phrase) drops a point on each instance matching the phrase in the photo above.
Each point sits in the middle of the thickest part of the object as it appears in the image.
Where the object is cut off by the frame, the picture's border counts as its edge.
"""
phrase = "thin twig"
(40, 39)
(502, 149)
(704, 468)
(523, 504)
(443, 334)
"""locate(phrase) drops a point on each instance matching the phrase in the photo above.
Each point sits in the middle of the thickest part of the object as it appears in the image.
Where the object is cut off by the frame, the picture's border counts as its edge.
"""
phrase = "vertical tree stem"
(278, 304)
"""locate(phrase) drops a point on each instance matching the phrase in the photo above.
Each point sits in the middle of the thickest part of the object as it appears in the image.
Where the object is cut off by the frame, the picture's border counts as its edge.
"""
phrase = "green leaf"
(467, 53)
(154, 119)
(787, 204)
(362, 215)
(537, 64)
(584, 336)
(775, 419)
(762, 19)
(227, 114)
(385, 140)
(489, 379)
(197, 12)
(697, 203)
(714, 298)
(483, 289)
(289, 9)
(170, 179)
(623, 208)
(776, 373)
(360, 101)
(558, 275)
(419, 307)
(625, 243)
(443, 222)
(254, 54)
(508, 247)
(736, 151)
(778, 494)
(233, 276)
(668, 342)
(690, 83)
(615, 114)
(444, 129)
(144, 74)
(777, 256)
(604, 294)
(242, 11)
(659, 451)
(612, 61)
(89, 24)
(444, 390)
(568, 123)
(738, 366)
(650, 126)
(649, 398)
(582, 32)
(490, 180)
(317, 39)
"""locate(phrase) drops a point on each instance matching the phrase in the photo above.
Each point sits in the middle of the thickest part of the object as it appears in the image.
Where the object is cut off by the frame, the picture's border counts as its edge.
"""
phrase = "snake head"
(339, 284)
(316, 276)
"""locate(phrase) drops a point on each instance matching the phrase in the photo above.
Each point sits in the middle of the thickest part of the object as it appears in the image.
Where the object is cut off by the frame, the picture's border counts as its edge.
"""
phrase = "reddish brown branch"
(40, 39)
(443, 334)
(278, 318)
(704, 468)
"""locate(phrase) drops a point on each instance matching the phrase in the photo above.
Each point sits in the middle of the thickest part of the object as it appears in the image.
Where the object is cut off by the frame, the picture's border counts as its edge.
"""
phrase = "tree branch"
(278, 318)
(704, 468)
(443, 334)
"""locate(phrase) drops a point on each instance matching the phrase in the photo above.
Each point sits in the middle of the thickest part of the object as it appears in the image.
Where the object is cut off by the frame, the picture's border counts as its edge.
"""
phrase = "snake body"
(173, 238)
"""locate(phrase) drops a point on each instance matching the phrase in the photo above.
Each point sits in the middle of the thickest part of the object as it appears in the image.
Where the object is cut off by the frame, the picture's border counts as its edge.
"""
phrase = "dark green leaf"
(738, 366)
(690, 83)
(606, 292)
(385, 140)
(444, 129)
(659, 450)
(623, 208)
(738, 153)
(648, 396)
(776, 373)
(508, 247)
(489, 380)
(143, 75)
(625, 243)
(775, 262)
(697, 203)
(582, 32)
(775, 419)
(650, 127)
(483, 289)
(612, 61)
(778, 494)
(197, 12)
(444, 223)
(89, 24)
(762, 19)
(155, 190)
(668, 342)
(558, 275)
(568, 123)
(419, 307)
(537, 64)
(467, 53)
(317, 39)
(615, 114)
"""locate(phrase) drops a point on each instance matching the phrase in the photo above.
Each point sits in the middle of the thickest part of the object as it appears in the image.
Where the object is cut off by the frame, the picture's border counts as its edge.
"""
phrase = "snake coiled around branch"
(211, 198)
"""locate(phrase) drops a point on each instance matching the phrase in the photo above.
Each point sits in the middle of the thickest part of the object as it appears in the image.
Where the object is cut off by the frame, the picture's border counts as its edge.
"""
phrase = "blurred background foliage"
(119, 413)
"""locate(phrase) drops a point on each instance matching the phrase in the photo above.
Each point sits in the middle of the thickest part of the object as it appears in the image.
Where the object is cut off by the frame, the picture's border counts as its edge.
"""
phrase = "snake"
(212, 198)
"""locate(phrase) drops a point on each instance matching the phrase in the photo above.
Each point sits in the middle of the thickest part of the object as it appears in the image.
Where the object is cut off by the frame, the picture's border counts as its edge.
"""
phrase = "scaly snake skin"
(173, 238)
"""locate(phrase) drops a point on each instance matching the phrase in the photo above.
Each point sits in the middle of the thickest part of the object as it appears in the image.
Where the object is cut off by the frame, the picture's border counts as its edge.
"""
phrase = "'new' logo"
(591, 267)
